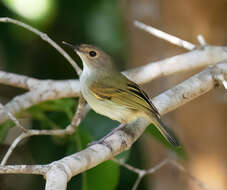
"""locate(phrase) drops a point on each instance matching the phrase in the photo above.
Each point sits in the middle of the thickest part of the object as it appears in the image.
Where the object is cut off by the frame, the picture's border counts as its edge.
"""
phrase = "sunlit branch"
(165, 36)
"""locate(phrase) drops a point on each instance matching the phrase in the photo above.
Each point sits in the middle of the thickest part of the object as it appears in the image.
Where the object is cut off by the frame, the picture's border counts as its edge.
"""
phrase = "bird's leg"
(101, 141)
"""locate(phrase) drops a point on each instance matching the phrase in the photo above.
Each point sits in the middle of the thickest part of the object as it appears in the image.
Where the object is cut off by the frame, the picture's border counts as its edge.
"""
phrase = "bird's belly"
(110, 109)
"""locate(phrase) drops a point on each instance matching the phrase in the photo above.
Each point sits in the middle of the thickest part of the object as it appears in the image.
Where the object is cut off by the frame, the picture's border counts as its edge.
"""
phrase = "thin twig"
(137, 182)
(163, 35)
(158, 166)
(201, 40)
(14, 119)
(127, 166)
(12, 147)
(77, 118)
(141, 173)
(79, 115)
(46, 38)
(193, 178)
(48, 90)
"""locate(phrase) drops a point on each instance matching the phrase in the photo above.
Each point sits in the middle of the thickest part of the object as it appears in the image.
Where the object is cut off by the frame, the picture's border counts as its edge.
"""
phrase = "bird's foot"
(95, 142)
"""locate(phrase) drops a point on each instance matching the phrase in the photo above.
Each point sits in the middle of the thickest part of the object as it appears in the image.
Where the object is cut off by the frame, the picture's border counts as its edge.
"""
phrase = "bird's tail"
(165, 131)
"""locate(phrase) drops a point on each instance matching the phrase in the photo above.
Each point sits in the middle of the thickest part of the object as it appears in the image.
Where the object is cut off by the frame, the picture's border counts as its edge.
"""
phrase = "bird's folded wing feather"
(127, 94)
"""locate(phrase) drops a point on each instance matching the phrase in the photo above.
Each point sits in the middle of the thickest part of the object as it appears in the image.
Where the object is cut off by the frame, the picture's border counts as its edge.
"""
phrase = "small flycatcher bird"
(112, 94)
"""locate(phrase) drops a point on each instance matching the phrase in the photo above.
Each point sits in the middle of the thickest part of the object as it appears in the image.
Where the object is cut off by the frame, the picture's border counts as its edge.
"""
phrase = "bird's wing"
(123, 92)
(129, 94)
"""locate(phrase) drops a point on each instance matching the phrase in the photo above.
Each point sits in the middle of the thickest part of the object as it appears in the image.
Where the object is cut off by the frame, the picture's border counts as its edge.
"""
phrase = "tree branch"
(190, 89)
(121, 140)
(19, 81)
(61, 171)
(47, 90)
(24, 169)
(44, 37)
(142, 173)
(165, 36)
(51, 90)
(11, 116)
(78, 116)
(198, 58)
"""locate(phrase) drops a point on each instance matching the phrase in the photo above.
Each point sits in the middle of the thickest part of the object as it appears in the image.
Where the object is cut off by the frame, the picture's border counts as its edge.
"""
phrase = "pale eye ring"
(92, 53)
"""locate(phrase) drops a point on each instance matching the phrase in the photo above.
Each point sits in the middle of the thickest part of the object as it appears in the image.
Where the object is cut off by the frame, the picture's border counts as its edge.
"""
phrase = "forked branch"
(59, 172)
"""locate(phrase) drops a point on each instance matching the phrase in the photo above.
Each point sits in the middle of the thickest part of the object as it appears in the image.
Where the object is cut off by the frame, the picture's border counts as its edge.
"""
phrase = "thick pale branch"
(50, 89)
(59, 172)
(124, 138)
(24, 169)
(112, 145)
(19, 81)
(190, 89)
(56, 178)
(195, 59)
(47, 91)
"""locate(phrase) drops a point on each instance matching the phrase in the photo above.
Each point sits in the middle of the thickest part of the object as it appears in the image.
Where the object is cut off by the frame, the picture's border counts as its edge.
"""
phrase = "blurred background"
(200, 124)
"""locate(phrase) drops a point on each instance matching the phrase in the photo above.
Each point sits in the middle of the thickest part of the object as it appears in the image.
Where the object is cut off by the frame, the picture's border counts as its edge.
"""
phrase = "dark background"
(200, 124)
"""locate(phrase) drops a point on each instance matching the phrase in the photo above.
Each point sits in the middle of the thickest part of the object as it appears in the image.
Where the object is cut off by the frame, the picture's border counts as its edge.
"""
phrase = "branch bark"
(43, 90)
(124, 138)
(59, 172)
(196, 59)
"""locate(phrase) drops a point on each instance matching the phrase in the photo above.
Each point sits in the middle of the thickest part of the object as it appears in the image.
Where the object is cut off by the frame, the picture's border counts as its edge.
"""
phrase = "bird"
(112, 94)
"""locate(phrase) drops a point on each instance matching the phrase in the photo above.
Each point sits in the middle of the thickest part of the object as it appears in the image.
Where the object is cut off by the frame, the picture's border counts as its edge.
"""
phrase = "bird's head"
(92, 57)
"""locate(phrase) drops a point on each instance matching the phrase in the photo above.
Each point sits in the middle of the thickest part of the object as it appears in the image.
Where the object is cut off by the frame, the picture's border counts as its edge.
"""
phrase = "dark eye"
(92, 53)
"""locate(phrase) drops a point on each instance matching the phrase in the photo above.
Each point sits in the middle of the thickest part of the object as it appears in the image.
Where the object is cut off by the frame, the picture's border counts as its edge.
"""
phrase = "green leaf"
(66, 105)
(103, 176)
(153, 131)
(98, 125)
(53, 114)
(4, 128)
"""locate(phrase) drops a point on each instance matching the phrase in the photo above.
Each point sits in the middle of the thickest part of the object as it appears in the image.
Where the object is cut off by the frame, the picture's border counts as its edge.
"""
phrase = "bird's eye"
(92, 53)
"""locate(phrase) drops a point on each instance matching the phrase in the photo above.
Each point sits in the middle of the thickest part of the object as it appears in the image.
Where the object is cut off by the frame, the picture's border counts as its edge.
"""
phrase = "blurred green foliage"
(99, 22)
(4, 128)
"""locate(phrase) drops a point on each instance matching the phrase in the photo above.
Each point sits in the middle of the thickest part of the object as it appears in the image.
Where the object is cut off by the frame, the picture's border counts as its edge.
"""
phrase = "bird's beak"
(76, 48)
